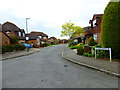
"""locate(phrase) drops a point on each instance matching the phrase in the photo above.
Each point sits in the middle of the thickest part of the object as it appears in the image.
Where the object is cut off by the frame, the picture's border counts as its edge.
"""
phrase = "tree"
(69, 29)
(111, 28)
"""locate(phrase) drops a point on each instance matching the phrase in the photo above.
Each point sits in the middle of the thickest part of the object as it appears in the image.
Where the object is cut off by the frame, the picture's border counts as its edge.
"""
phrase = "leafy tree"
(111, 28)
(69, 29)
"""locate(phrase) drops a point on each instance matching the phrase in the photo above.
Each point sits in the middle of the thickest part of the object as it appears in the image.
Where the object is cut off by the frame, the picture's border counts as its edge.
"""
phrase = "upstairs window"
(44, 37)
(39, 36)
(19, 33)
(8, 32)
(23, 34)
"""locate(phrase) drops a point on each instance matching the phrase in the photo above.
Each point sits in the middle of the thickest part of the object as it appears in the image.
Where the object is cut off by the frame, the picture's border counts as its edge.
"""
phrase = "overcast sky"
(48, 15)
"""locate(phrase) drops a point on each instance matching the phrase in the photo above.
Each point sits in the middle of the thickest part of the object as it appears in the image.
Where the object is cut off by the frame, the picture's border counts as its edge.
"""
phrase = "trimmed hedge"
(111, 28)
(10, 48)
(45, 44)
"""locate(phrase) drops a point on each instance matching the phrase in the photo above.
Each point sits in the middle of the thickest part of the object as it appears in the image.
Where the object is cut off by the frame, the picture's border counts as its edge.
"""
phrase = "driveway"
(47, 69)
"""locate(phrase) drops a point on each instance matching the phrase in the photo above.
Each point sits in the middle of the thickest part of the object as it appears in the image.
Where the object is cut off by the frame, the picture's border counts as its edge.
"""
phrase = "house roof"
(34, 35)
(3, 32)
(96, 16)
(87, 30)
(8, 26)
(78, 37)
(54, 38)
(39, 34)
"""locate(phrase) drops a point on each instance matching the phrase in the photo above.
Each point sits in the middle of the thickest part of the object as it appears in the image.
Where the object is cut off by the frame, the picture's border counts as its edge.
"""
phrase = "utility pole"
(27, 25)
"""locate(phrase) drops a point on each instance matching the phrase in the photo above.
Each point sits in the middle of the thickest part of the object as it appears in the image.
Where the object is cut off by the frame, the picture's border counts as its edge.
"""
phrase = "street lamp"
(27, 25)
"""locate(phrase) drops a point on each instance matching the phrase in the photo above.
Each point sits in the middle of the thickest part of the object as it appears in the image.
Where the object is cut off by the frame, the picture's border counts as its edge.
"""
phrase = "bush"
(100, 53)
(80, 44)
(87, 54)
(45, 44)
(19, 47)
(73, 44)
(53, 43)
(10, 48)
(80, 50)
(7, 48)
(111, 28)
(74, 47)
(91, 41)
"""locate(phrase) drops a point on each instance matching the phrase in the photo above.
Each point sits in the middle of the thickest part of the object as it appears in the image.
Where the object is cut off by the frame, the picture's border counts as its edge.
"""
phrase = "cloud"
(48, 14)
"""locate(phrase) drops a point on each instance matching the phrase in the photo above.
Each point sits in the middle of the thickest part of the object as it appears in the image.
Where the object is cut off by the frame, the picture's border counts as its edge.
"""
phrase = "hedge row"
(10, 48)
(111, 28)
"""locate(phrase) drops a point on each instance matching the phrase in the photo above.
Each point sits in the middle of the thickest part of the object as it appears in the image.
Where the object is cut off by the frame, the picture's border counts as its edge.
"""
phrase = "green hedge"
(74, 47)
(45, 44)
(111, 28)
(10, 48)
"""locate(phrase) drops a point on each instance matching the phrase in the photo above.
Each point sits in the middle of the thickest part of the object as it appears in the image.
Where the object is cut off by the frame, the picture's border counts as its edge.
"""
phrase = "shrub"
(91, 41)
(53, 43)
(19, 47)
(111, 28)
(80, 50)
(45, 44)
(74, 47)
(10, 48)
(73, 44)
(90, 55)
(80, 44)
(87, 54)
(7, 48)
(100, 53)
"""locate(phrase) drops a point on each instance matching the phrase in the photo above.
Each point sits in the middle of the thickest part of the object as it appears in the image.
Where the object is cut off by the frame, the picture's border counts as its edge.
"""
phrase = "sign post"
(103, 49)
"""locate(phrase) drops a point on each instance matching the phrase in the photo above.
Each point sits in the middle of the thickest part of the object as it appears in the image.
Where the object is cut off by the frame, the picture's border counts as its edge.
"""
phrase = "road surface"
(47, 69)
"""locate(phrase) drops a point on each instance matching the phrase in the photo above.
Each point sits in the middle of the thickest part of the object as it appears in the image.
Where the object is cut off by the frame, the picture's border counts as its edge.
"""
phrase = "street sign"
(104, 49)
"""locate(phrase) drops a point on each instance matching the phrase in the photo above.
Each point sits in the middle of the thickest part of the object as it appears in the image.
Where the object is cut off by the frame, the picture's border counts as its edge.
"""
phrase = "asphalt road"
(47, 69)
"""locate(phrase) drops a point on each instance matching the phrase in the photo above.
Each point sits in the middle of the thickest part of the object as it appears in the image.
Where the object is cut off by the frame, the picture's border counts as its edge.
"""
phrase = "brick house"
(63, 41)
(4, 38)
(37, 38)
(95, 29)
(52, 40)
(87, 33)
(13, 31)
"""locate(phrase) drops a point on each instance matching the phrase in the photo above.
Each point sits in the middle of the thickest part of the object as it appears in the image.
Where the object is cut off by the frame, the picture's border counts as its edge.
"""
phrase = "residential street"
(47, 69)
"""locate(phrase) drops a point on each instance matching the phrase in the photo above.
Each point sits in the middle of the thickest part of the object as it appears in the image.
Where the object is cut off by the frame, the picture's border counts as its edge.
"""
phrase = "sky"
(48, 15)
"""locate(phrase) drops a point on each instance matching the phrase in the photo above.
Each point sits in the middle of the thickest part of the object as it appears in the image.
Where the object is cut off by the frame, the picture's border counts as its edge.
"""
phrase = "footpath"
(105, 66)
(11, 55)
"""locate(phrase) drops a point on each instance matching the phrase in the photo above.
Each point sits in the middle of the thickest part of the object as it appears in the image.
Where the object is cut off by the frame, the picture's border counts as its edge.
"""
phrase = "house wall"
(4, 40)
(21, 41)
(34, 42)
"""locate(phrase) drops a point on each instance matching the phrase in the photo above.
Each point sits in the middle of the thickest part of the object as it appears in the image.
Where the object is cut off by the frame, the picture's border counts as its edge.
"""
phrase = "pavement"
(11, 55)
(90, 62)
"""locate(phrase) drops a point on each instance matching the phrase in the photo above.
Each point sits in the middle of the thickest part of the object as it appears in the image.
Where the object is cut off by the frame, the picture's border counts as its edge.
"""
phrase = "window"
(44, 37)
(8, 32)
(23, 34)
(95, 36)
(94, 23)
(39, 36)
(19, 33)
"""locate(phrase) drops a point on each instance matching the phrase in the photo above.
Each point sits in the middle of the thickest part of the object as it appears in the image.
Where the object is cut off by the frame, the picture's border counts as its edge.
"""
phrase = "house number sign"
(103, 49)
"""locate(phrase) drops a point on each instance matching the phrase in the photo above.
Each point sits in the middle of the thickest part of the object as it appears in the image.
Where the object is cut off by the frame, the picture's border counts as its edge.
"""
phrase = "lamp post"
(27, 25)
